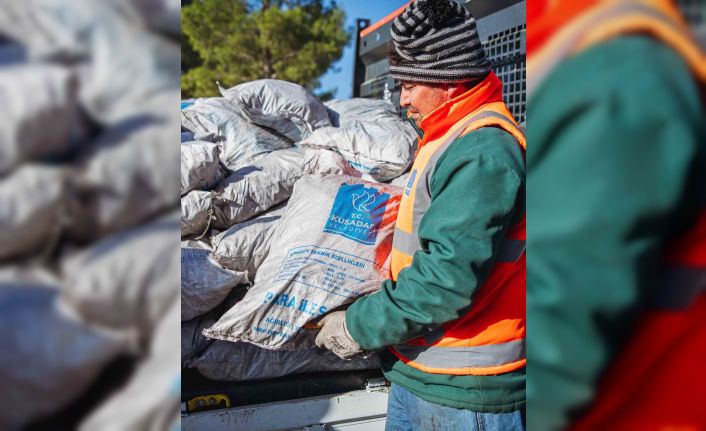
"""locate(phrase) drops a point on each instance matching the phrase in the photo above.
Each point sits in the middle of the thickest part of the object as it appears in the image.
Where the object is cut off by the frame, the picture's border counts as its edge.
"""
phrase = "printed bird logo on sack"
(362, 201)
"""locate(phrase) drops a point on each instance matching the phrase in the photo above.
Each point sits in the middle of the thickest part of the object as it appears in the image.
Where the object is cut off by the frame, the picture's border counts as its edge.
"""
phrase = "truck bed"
(345, 400)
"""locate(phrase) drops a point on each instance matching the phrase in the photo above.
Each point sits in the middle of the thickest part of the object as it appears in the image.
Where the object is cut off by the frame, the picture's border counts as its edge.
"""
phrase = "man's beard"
(414, 115)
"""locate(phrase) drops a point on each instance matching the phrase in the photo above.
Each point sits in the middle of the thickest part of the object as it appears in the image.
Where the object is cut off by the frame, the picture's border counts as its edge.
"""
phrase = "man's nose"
(404, 98)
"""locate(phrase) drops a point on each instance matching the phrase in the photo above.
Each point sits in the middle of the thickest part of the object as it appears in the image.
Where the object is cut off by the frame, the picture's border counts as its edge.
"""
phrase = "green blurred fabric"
(615, 169)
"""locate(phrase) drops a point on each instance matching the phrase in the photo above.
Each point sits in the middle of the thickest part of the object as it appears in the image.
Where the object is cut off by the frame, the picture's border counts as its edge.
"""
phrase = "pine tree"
(237, 41)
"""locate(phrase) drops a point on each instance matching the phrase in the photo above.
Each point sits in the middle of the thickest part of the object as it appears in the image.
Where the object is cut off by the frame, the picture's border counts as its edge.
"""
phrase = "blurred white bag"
(150, 401)
(36, 127)
(52, 360)
(163, 16)
(128, 280)
(129, 177)
(282, 106)
(32, 210)
(53, 38)
(121, 65)
(32, 273)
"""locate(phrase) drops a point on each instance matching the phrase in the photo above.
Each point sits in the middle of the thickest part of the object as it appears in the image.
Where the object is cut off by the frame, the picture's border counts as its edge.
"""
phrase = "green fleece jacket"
(615, 166)
(478, 191)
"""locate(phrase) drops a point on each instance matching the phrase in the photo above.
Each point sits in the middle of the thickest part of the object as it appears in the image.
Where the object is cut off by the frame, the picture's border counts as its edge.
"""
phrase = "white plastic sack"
(344, 113)
(400, 181)
(203, 244)
(195, 212)
(29, 273)
(200, 166)
(128, 178)
(150, 401)
(12, 53)
(19, 21)
(257, 188)
(31, 209)
(200, 136)
(245, 245)
(241, 142)
(193, 343)
(331, 246)
(282, 106)
(47, 360)
(128, 280)
(154, 68)
(204, 284)
(382, 148)
(37, 111)
(227, 361)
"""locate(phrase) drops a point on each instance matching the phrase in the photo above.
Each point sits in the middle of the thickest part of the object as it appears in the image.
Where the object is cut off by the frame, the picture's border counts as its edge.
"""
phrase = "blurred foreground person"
(453, 314)
(617, 223)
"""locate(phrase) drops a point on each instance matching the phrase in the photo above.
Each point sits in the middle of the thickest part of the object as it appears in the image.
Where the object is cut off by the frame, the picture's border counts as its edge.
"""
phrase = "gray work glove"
(335, 337)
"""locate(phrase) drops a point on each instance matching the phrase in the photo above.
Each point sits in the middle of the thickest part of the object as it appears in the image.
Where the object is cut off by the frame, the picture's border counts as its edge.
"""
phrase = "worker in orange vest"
(616, 301)
(452, 316)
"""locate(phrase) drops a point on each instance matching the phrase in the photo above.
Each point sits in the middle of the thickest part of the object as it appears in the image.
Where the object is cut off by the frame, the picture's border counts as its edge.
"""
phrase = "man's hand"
(335, 337)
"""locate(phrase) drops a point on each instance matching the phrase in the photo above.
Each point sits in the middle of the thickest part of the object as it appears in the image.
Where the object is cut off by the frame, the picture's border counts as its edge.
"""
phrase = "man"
(453, 314)
(617, 195)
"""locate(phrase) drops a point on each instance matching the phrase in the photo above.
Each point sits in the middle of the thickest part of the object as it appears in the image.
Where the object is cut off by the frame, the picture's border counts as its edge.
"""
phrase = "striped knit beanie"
(436, 41)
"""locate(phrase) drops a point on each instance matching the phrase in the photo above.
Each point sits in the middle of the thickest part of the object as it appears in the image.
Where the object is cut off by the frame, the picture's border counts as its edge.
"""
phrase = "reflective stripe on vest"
(487, 356)
(448, 349)
(607, 22)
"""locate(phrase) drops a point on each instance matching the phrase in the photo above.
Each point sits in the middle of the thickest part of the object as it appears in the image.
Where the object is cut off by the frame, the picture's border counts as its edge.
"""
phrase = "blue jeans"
(408, 412)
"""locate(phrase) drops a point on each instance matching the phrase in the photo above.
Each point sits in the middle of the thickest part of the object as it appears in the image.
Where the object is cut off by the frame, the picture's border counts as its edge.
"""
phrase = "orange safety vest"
(607, 20)
(657, 382)
(490, 337)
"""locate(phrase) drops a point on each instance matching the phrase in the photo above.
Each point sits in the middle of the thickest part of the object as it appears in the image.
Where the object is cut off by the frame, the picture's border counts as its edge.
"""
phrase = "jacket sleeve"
(609, 165)
(475, 194)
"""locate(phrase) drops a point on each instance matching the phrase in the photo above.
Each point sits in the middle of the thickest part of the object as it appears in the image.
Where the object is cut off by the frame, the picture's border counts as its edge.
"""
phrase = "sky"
(340, 75)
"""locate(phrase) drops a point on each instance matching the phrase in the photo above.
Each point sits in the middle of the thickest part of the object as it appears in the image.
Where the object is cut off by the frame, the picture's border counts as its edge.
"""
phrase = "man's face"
(421, 99)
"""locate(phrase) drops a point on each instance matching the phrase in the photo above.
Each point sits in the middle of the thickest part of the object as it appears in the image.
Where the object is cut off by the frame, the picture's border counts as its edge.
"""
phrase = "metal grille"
(506, 52)
(694, 11)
